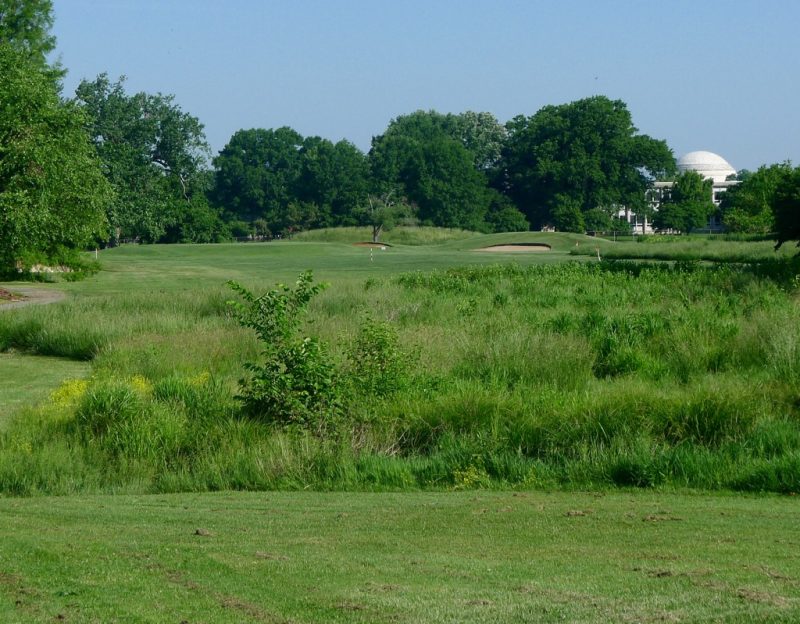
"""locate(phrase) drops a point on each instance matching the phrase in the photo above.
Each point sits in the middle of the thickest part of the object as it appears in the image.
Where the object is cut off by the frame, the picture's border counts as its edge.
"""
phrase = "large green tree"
(52, 192)
(747, 207)
(786, 205)
(423, 156)
(25, 26)
(480, 133)
(281, 182)
(153, 153)
(334, 177)
(689, 204)
(382, 213)
(584, 154)
(256, 173)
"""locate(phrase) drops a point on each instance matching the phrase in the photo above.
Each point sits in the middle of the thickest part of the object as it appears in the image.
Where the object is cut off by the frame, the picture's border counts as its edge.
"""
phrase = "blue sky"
(717, 75)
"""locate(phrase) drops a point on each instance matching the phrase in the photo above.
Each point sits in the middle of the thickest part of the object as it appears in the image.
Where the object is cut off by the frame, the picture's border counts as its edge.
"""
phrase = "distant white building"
(709, 165)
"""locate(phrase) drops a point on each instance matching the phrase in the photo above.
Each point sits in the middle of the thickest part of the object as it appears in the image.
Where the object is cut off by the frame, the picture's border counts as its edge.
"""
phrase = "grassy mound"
(405, 235)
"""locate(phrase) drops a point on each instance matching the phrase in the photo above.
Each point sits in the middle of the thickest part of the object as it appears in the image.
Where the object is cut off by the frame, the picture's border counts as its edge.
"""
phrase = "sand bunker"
(370, 244)
(524, 247)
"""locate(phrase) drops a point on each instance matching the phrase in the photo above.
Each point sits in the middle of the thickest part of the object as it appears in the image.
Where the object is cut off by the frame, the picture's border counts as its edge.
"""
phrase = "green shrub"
(295, 381)
(378, 367)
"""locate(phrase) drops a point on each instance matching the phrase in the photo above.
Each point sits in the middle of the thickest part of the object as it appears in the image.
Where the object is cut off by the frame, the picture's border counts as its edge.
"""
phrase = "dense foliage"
(52, 193)
(688, 206)
(567, 160)
(787, 208)
(440, 163)
(154, 155)
(25, 26)
(290, 183)
(748, 206)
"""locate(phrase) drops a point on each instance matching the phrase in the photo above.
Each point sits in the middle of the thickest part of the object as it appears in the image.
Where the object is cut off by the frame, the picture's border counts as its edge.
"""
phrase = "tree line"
(105, 165)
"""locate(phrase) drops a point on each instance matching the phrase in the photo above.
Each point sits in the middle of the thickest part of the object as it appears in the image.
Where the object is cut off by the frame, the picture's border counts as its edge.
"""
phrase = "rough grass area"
(416, 557)
(551, 374)
(25, 380)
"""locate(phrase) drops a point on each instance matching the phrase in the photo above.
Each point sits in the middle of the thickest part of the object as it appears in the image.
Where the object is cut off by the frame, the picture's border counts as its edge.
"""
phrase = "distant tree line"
(107, 166)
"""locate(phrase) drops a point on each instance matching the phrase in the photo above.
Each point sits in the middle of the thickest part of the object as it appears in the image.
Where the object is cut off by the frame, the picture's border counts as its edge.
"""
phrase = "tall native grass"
(572, 375)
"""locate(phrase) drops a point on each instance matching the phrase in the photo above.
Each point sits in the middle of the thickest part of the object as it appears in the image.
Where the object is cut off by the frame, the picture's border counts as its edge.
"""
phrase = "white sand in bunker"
(524, 247)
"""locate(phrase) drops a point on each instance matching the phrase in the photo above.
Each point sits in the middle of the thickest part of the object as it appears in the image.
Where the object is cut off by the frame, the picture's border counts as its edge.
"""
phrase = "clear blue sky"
(717, 75)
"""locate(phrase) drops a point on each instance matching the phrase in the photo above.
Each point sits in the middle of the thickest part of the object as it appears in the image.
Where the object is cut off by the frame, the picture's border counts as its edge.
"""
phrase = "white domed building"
(709, 165)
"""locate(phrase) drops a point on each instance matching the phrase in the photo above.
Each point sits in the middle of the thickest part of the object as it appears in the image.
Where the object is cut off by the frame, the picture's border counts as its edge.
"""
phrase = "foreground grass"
(416, 557)
(25, 380)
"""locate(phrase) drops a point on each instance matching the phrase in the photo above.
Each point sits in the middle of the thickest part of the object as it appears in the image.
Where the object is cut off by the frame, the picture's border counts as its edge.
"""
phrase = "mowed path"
(32, 296)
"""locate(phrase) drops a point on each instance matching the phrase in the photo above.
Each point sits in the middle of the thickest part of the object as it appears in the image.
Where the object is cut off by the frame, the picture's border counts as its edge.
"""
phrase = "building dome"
(707, 164)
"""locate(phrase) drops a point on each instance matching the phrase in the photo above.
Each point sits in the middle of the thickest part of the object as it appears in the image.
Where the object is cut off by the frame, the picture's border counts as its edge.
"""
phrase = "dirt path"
(31, 296)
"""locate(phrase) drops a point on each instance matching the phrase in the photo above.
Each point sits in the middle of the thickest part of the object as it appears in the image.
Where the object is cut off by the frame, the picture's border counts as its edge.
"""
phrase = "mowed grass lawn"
(407, 557)
(25, 380)
(157, 268)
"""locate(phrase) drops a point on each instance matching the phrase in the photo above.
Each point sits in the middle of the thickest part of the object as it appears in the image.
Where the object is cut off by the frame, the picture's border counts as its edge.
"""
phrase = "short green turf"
(164, 268)
(413, 557)
(24, 380)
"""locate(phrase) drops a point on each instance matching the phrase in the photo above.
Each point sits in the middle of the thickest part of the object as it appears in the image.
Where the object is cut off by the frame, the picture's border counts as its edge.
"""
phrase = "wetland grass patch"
(513, 375)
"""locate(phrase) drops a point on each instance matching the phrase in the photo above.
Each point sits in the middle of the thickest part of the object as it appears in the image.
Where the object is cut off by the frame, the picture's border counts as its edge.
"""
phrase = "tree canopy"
(154, 155)
(25, 26)
(424, 157)
(334, 177)
(52, 191)
(747, 207)
(290, 182)
(786, 205)
(689, 204)
(579, 156)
